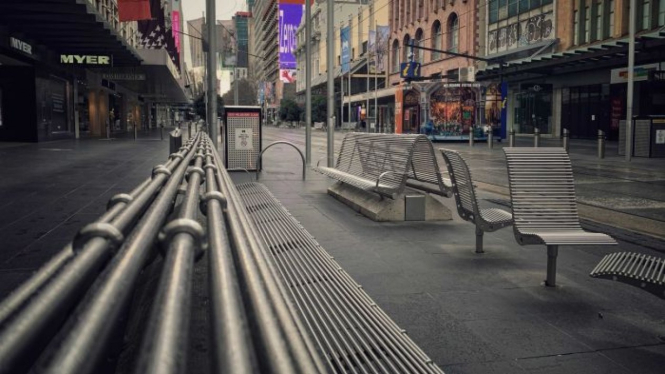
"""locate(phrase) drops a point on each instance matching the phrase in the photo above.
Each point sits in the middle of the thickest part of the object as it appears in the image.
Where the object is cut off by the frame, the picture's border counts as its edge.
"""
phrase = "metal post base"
(479, 240)
(511, 138)
(552, 253)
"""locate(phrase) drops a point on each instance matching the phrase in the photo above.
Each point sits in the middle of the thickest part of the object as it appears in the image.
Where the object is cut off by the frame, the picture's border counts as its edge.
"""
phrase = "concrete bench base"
(381, 210)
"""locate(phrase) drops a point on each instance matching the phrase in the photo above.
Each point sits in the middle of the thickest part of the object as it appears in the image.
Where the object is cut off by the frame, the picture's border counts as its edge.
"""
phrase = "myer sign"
(20, 45)
(85, 60)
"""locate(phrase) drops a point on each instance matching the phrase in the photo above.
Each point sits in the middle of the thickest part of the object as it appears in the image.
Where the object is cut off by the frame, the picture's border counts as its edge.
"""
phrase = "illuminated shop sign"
(85, 60)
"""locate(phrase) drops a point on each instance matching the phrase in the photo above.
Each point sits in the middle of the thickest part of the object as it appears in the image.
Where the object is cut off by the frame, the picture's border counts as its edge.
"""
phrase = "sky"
(193, 9)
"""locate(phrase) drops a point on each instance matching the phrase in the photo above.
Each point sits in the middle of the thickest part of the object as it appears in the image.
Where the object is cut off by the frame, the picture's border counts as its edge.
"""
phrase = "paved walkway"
(471, 313)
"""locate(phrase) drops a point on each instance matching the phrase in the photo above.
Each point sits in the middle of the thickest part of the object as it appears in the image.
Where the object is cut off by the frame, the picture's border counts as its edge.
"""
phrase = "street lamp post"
(330, 57)
(308, 82)
(212, 72)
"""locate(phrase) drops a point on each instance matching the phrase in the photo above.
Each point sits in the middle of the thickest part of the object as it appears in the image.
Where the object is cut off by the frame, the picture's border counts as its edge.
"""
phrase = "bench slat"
(353, 333)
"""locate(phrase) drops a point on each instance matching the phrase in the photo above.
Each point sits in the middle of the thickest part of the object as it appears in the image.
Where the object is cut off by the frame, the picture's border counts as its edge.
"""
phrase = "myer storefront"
(43, 63)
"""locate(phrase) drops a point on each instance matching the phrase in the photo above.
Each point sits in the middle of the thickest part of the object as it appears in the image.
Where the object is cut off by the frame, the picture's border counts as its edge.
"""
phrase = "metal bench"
(636, 269)
(387, 163)
(487, 219)
(542, 193)
(351, 331)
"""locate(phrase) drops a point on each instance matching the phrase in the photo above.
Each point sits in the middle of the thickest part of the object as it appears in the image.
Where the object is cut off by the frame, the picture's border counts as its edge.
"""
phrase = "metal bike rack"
(258, 159)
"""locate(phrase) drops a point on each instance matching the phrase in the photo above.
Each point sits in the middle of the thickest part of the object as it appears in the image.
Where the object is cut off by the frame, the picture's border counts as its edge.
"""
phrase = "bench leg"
(552, 252)
(479, 240)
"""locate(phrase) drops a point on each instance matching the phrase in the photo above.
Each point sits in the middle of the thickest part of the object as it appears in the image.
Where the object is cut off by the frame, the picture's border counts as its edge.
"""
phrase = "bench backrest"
(542, 189)
(460, 177)
(406, 156)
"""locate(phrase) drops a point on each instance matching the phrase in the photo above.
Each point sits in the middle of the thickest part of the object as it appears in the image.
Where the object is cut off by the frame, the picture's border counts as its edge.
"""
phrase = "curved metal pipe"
(302, 157)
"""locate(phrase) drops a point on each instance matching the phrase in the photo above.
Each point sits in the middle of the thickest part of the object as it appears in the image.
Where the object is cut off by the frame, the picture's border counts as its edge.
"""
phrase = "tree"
(200, 106)
(246, 93)
(319, 109)
(289, 110)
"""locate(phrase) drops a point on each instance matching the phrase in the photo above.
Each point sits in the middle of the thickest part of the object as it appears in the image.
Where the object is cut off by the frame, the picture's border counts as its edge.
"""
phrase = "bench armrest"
(378, 180)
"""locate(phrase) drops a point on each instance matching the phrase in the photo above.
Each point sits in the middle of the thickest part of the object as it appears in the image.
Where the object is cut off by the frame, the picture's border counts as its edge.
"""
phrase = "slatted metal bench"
(542, 193)
(351, 331)
(387, 163)
(485, 219)
(636, 269)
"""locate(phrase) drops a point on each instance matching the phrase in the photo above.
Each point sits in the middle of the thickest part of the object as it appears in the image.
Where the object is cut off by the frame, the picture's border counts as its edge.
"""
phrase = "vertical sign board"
(243, 137)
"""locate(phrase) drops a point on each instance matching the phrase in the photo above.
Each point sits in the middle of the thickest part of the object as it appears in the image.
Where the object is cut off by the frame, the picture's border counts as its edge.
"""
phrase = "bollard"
(601, 143)
(175, 141)
(536, 137)
(490, 139)
(471, 139)
(566, 140)
(135, 132)
(511, 138)
(161, 132)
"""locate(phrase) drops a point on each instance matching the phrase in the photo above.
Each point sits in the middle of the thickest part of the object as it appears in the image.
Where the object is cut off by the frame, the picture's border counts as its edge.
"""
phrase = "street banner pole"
(330, 61)
(376, 80)
(212, 72)
(308, 83)
(629, 94)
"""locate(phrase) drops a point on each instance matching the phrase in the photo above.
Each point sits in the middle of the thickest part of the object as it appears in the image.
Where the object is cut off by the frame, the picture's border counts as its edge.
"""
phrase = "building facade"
(59, 82)
(565, 64)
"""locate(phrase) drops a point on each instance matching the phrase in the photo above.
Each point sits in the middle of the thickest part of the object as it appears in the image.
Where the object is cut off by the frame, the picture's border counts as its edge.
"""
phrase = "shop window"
(611, 17)
(453, 33)
(395, 56)
(576, 27)
(405, 45)
(494, 11)
(599, 21)
(420, 53)
(587, 25)
(646, 15)
(436, 40)
(512, 8)
(661, 13)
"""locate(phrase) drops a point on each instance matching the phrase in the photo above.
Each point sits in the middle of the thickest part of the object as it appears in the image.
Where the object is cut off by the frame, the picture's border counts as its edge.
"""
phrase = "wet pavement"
(471, 313)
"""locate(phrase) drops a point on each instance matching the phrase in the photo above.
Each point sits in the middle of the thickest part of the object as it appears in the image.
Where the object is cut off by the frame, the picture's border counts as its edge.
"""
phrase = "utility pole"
(213, 129)
(308, 83)
(376, 80)
(629, 94)
(235, 73)
(330, 61)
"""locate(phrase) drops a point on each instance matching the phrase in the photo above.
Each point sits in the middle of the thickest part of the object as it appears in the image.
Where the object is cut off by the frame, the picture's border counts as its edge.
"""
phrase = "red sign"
(242, 114)
(133, 10)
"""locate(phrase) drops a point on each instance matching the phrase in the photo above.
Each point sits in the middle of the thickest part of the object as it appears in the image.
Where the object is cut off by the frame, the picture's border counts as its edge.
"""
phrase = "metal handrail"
(258, 159)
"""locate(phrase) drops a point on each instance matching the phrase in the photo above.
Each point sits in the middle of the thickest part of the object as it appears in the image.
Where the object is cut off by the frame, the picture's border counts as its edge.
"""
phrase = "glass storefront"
(411, 112)
(52, 104)
(533, 108)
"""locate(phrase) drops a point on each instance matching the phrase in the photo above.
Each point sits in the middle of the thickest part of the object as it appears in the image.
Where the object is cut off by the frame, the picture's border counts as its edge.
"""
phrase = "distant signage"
(290, 15)
(243, 139)
(640, 73)
(124, 76)
(85, 60)
(345, 40)
(521, 33)
(20, 45)
(410, 70)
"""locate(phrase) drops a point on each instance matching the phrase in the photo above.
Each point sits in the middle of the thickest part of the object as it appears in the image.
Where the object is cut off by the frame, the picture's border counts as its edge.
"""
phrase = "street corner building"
(98, 68)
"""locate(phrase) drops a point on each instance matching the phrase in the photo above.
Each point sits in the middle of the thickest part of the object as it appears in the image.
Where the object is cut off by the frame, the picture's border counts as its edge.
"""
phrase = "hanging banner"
(345, 38)
(290, 15)
(399, 98)
(175, 19)
(133, 10)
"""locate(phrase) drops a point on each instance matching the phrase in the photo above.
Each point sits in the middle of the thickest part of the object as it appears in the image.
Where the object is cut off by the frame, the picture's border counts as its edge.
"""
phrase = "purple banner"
(290, 16)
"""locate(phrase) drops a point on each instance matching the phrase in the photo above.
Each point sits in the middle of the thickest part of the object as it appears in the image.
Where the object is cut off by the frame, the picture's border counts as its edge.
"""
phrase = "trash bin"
(175, 141)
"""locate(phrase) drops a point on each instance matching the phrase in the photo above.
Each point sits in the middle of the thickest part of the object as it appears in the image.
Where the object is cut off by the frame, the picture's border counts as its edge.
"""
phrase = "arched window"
(436, 40)
(420, 53)
(453, 33)
(405, 48)
(395, 56)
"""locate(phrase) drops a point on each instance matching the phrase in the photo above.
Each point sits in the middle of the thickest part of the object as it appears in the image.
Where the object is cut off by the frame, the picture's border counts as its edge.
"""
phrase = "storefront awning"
(72, 27)
(649, 47)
